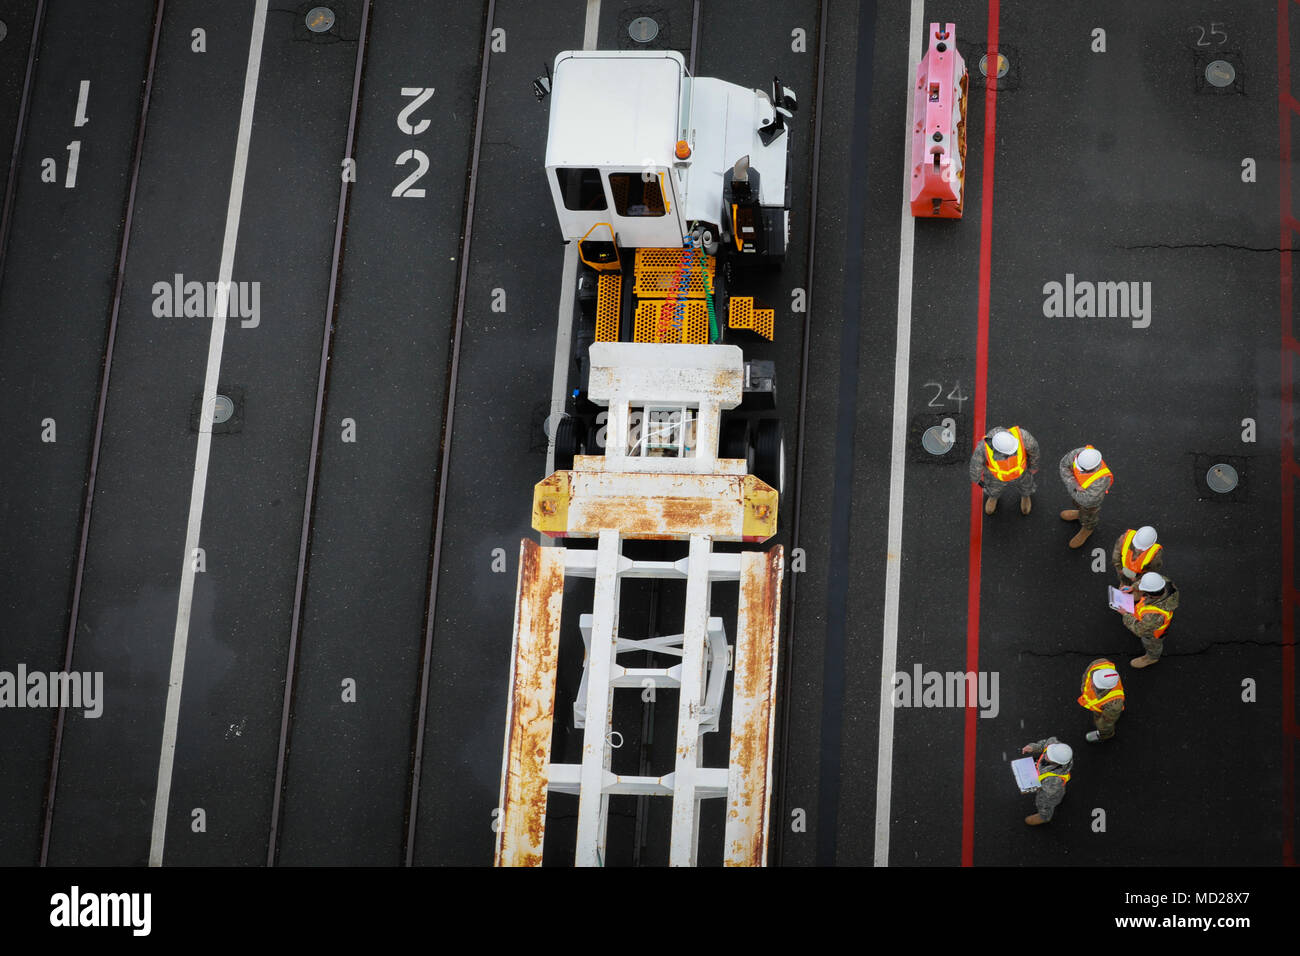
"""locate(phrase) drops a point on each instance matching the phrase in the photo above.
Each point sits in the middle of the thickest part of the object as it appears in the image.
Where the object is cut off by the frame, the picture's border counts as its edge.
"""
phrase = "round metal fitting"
(936, 440)
(1220, 73)
(1003, 65)
(1221, 478)
(643, 29)
(320, 19)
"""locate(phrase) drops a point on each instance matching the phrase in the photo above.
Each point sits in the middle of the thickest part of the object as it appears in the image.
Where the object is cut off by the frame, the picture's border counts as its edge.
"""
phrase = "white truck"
(669, 185)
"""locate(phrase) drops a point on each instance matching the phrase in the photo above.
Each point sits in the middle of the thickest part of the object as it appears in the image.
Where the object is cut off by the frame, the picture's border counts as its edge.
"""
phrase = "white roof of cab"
(614, 108)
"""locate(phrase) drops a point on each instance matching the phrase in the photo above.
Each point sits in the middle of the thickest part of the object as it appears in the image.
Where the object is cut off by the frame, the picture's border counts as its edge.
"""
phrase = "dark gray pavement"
(1114, 166)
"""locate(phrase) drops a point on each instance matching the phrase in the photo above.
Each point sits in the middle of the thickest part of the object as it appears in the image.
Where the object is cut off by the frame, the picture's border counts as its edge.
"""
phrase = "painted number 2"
(956, 395)
(421, 167)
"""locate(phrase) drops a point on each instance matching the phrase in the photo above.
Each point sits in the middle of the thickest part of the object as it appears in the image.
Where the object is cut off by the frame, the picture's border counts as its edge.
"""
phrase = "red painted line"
(1289, 101)
(1289, 343)
(1287, 416)
(977, 496)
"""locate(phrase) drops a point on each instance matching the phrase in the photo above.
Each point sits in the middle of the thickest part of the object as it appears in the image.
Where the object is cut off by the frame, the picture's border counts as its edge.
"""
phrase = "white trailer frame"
(693, 496)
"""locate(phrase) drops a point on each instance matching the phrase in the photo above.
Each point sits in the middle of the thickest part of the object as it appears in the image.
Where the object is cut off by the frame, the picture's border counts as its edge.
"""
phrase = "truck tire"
(567, 443)
(769, 453)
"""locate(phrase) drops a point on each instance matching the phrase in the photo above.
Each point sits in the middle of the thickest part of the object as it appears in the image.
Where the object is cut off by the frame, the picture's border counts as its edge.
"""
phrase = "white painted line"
(564, 322)
(81, 119)
(894, 552)
(563, 348)
(201, 455)
(593, 22)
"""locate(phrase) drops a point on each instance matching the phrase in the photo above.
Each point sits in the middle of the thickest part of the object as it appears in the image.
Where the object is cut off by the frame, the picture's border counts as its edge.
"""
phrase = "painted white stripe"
(564, 323)
(201, 455)
(563, 347)
(894, 552)
(593, 22)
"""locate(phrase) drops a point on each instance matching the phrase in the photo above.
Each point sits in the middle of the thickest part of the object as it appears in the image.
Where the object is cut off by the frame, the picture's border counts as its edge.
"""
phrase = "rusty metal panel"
(531, 708)
(655, 506)
(753, 709)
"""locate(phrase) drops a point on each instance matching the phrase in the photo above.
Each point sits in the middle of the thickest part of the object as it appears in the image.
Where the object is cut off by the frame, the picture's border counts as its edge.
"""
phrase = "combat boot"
(990, 505)
(1035, 820)
(1026, 503)
(1146, 660)
(1078, 540)
(1070, 515)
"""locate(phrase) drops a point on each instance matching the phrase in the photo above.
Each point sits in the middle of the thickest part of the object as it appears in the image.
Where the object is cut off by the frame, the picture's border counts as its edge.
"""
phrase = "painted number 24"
(957, 395)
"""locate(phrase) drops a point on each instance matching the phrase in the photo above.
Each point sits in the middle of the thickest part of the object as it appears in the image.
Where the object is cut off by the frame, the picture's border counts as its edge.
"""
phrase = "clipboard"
(1026, 774)
(1120, 600)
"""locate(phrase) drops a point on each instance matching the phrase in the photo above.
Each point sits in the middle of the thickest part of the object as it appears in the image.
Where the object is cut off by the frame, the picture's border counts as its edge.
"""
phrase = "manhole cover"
(1220, 73)
(222, 409)
(643, 29)
(1003, 65)
(937, 440)
(4, 30)
(320, 19)
(1221, 478)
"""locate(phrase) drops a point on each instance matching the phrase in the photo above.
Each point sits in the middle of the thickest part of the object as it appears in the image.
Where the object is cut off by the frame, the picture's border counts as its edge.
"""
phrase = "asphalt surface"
(1122, 165)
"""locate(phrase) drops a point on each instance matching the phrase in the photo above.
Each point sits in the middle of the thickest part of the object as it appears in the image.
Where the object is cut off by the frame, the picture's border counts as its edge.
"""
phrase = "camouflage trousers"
(1155, 646)
(1046, 801)
(1105, 725)
(1089, 517)
(1024, 486)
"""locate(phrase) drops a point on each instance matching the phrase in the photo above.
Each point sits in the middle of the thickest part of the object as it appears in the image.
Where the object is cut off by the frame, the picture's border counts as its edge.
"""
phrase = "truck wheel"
(566, 443)
(769, 453)
(734, 442)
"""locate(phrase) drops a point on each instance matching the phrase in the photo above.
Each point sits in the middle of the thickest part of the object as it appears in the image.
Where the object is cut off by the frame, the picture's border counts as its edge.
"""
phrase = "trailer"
(675, 190)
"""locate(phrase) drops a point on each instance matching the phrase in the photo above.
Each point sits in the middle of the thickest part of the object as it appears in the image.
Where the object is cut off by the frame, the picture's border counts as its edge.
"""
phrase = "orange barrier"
(939, 128)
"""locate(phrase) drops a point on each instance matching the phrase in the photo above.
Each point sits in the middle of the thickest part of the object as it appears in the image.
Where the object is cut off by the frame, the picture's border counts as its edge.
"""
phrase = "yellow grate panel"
(649, 324)
(666, 260)
(741, 314)
(609, 288)
(660, 283)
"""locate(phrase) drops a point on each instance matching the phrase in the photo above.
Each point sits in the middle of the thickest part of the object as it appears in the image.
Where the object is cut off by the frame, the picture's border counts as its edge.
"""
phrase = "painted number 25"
(1216, 29)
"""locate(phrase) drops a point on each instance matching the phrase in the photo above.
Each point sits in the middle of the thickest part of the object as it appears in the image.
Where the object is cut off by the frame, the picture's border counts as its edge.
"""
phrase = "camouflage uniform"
(980, 474)
(1052, 789)
(1117, 561)
(1088, 500)
(1105, 719)
(1146, 626)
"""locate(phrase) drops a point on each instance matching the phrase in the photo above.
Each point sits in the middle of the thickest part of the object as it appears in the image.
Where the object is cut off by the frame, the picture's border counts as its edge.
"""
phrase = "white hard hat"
(1152, 582)
(1144, 538)
(1105, 679)
(1088, 459)
(1060, 754)
(1004, 443)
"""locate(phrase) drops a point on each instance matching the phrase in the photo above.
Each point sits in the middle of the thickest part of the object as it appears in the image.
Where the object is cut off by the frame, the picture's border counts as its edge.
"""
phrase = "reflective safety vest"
(1008, 469)
(1085, 478)
(1089, 698)
(1136, 561)
(1142, 608)
(1038, 765)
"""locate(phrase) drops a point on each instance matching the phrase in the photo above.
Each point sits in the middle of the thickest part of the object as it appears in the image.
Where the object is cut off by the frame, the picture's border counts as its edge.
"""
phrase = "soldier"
(1136, 552)
(1151, 615)
(1088, 481)
(1103, 694)
(1006, 456)
(1054, 763)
